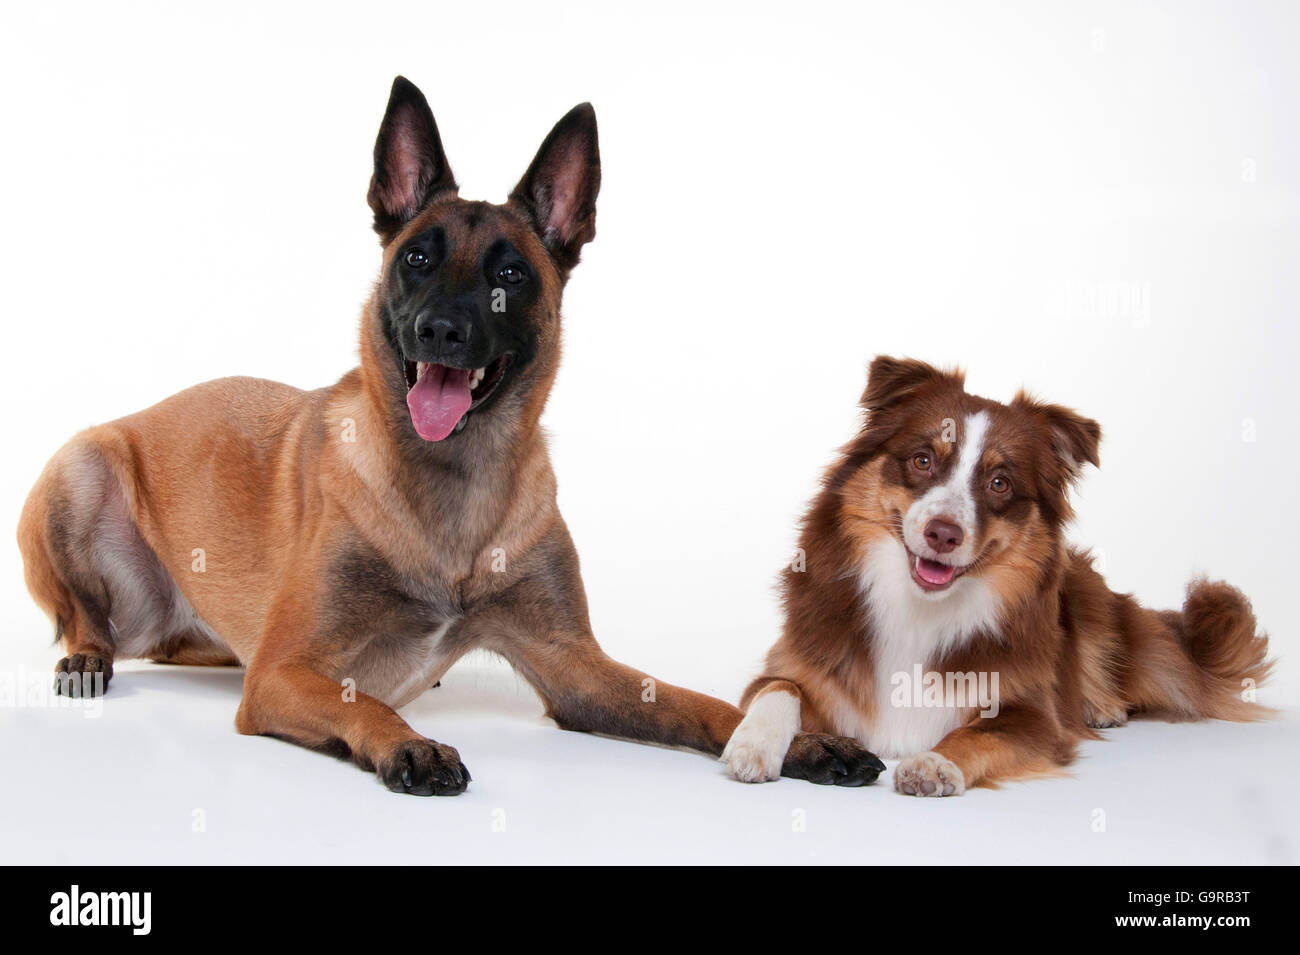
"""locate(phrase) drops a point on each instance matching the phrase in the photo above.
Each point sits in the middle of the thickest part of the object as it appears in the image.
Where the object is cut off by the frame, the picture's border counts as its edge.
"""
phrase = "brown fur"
(328, 560)
(1071, 655)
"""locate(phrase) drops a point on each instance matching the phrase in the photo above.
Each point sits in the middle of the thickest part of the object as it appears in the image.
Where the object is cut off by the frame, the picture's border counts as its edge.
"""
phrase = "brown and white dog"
(347, 545)
(935, 570)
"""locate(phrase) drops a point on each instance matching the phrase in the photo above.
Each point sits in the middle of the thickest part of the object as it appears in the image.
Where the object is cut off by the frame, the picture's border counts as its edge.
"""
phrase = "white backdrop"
(1099, 201)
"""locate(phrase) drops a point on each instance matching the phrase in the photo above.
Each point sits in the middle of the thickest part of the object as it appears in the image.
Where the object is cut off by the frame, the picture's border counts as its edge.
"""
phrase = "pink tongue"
(933, 572)
(438, 399)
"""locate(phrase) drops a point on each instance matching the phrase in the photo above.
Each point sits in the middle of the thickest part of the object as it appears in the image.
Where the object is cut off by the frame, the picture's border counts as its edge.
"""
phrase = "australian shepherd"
(937, 614)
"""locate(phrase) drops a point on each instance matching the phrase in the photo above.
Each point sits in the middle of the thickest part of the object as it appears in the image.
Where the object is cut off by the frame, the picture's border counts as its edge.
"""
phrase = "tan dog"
(376, 530)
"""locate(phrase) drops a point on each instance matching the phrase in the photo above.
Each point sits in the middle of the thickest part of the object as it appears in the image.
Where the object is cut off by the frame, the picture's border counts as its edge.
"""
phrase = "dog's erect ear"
(890, 380)
(558, 192)
(1075, 439)
(410, 165)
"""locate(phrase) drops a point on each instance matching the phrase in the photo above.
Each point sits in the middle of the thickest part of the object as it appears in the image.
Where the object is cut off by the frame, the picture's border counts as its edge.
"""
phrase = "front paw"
(929, 774)
(830, 761)
(422, 767)
(752, 756)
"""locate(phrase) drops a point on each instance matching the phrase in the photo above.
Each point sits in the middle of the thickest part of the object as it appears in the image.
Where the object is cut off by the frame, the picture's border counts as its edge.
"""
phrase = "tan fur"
(315, 539)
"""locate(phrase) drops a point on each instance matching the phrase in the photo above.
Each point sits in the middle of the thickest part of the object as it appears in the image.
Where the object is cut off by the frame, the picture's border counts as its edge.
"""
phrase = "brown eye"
(417, 259)
(922, 462)
(999, 485)
(510, 275)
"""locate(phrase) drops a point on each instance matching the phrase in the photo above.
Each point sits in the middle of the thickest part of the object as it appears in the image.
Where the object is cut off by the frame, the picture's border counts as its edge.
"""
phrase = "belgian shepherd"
(347, 545)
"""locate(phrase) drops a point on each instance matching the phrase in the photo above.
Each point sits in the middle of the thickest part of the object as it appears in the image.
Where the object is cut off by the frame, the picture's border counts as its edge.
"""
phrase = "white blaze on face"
(953, 500)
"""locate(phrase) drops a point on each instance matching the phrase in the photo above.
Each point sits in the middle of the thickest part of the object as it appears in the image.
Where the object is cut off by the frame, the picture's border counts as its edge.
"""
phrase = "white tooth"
(420, 366)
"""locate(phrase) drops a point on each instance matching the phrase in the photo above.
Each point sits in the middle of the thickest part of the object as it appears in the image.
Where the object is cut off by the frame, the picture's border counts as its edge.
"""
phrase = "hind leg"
(89, 568)
(84, 631)
(50, 537)
(1102, 717)
(89, 647)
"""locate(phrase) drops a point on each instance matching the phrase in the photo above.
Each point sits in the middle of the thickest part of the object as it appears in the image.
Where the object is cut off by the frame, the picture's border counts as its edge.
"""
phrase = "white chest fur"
(909, 629)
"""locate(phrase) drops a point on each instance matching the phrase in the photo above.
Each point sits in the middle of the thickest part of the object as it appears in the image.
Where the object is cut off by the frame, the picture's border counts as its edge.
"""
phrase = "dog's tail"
(1217, 630)
(1205, 661)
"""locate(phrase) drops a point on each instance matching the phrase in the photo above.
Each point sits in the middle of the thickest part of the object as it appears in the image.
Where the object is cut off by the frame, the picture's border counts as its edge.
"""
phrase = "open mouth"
(440, 397)
(931, 575)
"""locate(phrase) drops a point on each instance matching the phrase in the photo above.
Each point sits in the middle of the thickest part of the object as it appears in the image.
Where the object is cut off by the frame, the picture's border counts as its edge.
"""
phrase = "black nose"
(943, 536)
(443, 331)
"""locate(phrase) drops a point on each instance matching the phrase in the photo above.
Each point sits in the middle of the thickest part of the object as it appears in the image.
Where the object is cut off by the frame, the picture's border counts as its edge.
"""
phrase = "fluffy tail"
(1218, 632)
(1203, 662)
